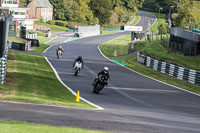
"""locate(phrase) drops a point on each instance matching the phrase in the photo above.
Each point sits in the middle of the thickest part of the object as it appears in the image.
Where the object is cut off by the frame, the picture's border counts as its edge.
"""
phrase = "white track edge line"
(48, 44)
(51, 39)
(47, 105)
(58, 77)
(48, 48)
(145, 75)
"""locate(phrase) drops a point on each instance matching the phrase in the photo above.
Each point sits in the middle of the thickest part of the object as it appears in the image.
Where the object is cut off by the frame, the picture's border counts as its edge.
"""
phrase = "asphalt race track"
(132, 103)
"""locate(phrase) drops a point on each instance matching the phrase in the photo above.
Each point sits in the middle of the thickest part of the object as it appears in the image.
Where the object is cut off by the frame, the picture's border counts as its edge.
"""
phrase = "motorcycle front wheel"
(97, 88)
(76, 72)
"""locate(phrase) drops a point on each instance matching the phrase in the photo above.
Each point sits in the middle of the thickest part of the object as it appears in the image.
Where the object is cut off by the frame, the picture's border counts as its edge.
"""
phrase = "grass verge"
(162, 19)
(158, 51)
(22, 127)
(53, 27)
(132, 63)
(137, 18)
(119, 46)
(31, 79)
(17, 40)
(43, 46)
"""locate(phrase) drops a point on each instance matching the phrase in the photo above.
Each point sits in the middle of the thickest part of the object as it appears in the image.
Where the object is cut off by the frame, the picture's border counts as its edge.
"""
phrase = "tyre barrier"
(192, 76)
(3, 67)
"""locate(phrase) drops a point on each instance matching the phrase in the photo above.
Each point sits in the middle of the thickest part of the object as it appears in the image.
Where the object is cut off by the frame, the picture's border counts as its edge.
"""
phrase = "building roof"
(44, 3)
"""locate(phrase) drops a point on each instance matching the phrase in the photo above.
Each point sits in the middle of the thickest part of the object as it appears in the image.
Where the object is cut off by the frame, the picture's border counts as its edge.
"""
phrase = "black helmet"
(105, 69)
(80, 57)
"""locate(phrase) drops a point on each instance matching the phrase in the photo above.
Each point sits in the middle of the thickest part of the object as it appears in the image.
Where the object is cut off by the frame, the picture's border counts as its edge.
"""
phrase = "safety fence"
(3, 64)
(181, 73)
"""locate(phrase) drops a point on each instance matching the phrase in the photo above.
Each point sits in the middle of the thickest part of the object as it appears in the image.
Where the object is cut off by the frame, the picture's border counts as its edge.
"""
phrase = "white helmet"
(106, 69)
(60, 47)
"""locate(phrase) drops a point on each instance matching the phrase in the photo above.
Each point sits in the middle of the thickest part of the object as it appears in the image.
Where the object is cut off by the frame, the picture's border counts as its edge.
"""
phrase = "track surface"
(132, 103)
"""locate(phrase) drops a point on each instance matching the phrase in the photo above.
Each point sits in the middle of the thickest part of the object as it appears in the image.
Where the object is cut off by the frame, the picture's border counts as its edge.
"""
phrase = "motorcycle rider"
(104, 72)
(60, 48)
(79, 59)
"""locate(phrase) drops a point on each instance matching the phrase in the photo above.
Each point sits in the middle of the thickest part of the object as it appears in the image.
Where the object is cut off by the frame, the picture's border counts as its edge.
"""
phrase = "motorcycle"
(99, 85)
(59, 54)
(77, 68)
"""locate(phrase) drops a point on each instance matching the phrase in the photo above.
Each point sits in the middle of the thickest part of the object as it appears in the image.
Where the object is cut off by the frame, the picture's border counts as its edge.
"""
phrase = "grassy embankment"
(22, 127)
(121, 45)
(31, 79)
(162, 19)
(53, 27)
(136, 19)
(42, 38)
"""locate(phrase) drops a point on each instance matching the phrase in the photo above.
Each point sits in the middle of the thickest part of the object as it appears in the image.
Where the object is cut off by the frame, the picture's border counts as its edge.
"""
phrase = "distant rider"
(79, 59)
(104, 72)
(60, 48)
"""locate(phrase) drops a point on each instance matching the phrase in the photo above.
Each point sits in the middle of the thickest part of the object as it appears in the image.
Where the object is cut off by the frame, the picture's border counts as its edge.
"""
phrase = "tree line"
(95, 11)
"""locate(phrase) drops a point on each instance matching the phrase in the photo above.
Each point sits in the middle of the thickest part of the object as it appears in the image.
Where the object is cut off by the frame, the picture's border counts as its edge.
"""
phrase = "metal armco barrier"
(181, 73)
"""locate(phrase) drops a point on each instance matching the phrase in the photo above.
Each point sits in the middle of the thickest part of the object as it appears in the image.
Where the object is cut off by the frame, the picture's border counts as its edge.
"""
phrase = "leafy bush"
(111, 26)
(61, 23)
(52, 22)
(76, 23)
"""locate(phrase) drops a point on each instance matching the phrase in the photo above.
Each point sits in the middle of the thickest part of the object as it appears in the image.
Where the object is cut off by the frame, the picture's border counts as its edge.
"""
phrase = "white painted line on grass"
(145, 75)
(74, 93)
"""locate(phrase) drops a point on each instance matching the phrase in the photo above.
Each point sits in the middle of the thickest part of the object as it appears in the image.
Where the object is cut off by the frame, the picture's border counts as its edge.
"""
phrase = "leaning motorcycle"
(59, 54)
(99, 85)
(77, 68)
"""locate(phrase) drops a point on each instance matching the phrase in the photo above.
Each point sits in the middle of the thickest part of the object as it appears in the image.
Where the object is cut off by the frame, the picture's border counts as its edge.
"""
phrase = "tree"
(188, 12)
(102, 10)
(82, 12)
(62, 9)
(128, 8)
(162, 28)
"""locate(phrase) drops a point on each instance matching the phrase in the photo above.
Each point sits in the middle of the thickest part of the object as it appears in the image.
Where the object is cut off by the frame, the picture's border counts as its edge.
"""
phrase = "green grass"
(17, 40)
(150, 49)
(137, 18)
(22, 127)
(40, 49)
(162, 19)
(53, 27)
(42, 40)
(31, 79)
(120, 45)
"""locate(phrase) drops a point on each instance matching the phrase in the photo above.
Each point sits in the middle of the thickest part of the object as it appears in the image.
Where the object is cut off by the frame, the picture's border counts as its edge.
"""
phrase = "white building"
(20, 14)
